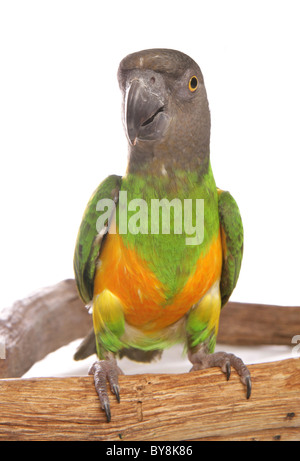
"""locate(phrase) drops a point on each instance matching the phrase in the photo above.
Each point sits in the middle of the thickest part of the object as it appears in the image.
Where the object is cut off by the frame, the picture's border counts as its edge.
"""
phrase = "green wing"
(88, 243)
(232, 243)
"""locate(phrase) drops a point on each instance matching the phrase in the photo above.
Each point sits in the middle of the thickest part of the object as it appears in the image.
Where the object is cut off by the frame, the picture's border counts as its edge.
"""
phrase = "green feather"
(232, 229)
(168, 255)
(87, 244)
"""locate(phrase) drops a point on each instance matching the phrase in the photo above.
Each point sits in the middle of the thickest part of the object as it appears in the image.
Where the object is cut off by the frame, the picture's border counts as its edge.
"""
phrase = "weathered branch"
(255, 324)
(34, 327)
(195, 406)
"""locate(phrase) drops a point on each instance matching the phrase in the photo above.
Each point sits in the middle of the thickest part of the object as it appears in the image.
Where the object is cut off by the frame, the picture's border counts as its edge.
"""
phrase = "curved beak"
(142, 106)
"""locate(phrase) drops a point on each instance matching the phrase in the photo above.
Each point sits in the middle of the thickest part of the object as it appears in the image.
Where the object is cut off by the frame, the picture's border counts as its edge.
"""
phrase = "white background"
(61, 132)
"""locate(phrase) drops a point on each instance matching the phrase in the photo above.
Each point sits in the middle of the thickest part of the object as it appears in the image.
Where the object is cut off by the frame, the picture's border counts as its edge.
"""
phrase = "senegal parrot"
(159, 249)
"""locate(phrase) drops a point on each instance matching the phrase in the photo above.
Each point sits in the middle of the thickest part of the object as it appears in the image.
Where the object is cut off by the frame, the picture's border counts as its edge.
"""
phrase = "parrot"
(150, 285)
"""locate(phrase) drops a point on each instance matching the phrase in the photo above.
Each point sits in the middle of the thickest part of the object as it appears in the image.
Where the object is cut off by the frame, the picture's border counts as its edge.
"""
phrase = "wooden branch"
(32, 328)
(40, 324)
(255, 324)
(195, 406)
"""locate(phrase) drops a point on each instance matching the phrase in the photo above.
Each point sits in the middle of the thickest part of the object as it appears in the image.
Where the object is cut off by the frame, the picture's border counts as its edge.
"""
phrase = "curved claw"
(228, 370)
(116, 390)
(103, 371)
(106, 408)
(249, 386)
(201, 360)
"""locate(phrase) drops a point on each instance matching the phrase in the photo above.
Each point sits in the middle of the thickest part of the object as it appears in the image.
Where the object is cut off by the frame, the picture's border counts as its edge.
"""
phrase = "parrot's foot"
(225, 361)
(103, 371)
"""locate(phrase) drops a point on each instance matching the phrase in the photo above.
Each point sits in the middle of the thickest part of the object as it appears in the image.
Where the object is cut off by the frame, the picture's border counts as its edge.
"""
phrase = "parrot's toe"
(225, 361)
(103, 371)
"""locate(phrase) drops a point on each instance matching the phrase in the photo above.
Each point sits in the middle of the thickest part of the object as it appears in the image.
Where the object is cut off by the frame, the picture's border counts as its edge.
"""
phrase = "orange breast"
(142, 295)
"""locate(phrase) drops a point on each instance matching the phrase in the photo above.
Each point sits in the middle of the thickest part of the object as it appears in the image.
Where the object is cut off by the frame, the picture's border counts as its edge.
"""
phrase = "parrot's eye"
(193, 83)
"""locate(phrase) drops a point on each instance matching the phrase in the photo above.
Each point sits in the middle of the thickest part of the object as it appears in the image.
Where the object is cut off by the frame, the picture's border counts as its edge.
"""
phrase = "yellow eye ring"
(193, 84)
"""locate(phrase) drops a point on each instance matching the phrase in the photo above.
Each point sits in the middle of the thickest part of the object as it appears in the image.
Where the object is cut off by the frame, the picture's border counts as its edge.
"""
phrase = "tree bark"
(200, 405)
(32, 328)
(255, 324)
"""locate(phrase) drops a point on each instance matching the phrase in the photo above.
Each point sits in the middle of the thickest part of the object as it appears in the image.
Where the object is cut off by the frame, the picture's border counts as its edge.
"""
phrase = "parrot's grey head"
(165, 108)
